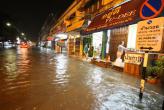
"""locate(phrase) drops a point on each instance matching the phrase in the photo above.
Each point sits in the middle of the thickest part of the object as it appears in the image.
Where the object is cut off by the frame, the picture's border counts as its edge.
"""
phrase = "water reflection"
(10, 68)
(95, 77)
(39, 79)
(113, 94)
(62, 77)
(23, 61)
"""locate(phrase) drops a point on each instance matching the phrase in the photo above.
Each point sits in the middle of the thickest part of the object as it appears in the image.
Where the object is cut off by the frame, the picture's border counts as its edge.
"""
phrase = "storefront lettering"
(121, 16)
(113, 12)
(134, 58)
(127, 14)
(150, 27)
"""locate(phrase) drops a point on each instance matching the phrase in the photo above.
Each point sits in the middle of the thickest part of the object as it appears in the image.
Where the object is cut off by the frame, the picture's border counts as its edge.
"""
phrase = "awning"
(123, 15)
(49, 38)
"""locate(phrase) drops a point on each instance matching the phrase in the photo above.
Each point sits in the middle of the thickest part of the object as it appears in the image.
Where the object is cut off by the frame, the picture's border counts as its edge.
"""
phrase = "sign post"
(149, 38)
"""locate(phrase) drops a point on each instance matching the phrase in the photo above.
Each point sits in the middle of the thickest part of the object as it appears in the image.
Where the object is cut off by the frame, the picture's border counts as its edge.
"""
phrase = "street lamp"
(8, 24)
(22, 34)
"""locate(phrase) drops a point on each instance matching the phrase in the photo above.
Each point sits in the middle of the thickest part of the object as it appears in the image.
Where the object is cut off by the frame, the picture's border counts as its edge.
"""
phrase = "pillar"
(104, 42)
(81, 46)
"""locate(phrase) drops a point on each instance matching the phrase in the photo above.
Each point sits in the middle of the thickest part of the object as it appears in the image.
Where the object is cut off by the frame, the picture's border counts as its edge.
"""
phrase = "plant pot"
(161, 79)
(152, 80)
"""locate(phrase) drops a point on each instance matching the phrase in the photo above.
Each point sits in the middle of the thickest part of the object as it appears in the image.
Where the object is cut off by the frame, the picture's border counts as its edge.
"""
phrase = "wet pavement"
(39, 79)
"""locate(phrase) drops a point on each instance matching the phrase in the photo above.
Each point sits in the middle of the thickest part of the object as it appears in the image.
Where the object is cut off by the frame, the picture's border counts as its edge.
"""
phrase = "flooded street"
(39, 79)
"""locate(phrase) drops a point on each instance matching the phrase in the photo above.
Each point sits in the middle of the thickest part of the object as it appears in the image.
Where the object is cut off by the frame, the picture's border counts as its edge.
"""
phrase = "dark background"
(29, 16)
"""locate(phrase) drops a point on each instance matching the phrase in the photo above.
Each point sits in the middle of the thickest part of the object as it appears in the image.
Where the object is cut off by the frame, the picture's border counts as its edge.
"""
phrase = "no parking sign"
(151, 9)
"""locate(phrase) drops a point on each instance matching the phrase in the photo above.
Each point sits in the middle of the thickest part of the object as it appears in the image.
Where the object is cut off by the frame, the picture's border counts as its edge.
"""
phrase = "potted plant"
(154, 73)
(160, 64)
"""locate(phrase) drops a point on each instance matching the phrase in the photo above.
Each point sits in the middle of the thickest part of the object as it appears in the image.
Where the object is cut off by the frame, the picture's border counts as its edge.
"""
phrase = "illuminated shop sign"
(50, 38)
(126, 14)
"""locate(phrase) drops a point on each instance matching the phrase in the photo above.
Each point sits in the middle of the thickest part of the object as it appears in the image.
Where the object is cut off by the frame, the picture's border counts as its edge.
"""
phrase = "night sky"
(31, 14)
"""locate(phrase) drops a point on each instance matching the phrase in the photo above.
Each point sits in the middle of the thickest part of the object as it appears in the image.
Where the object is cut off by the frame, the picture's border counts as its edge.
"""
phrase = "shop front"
(61, 43)
(71, 45)
(125, 40)
(97, 44)
(75, 43)
(59, 39)
(49, 42)
(87, 41)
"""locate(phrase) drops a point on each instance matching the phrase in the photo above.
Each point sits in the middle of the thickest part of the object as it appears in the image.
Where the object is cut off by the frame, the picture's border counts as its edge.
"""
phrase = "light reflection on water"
(23, 60)
(33, 79)
(61, 75)
(113, 94)
(10, 66)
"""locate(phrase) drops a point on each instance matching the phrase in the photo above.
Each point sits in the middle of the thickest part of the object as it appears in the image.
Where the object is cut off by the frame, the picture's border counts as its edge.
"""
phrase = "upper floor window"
(105, 2)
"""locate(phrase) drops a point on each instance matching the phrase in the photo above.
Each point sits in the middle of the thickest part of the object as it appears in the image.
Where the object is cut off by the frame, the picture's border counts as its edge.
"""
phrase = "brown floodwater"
(39, 79)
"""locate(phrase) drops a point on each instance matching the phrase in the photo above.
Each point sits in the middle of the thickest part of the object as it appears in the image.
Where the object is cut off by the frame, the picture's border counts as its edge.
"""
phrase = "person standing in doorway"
(90, 52)
(86, 51)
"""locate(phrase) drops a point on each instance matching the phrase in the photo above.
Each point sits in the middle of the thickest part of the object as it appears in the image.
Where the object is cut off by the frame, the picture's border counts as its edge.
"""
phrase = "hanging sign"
(149, 34)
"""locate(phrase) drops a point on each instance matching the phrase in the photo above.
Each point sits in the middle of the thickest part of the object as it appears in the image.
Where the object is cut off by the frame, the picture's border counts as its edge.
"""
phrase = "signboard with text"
(125, 14)
(133, 58)
(150, 34)
(116, 17)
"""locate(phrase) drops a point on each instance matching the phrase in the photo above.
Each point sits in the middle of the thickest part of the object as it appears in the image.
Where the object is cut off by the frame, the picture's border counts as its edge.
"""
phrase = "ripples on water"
(39, 79)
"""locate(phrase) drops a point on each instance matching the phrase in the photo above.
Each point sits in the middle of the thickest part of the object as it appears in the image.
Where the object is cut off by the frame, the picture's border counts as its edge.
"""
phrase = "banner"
(126, 14)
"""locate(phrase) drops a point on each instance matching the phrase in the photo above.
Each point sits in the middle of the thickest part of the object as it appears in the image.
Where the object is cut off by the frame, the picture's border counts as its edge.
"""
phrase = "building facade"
(111, 30)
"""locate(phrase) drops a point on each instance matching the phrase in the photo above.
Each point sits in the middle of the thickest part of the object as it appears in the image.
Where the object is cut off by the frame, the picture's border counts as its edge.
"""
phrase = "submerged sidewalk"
(129, 79)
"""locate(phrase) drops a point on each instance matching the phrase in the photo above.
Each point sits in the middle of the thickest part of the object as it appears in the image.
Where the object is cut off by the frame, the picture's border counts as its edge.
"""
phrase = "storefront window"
(97, 43)
(49, 44)
(132, 36)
